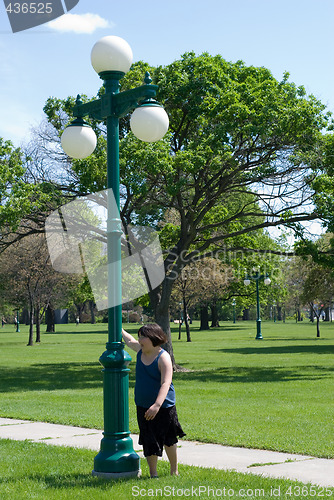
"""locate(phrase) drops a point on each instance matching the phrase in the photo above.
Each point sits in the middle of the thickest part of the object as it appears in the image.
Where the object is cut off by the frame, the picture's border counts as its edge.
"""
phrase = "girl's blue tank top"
(148, 383)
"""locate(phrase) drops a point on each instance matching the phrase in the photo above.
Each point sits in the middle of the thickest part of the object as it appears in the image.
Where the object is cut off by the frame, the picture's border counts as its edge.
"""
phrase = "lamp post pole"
(233, 304)
(116, 456)
(112, 58)
(258, 318)
(257, 277)
(17, 322)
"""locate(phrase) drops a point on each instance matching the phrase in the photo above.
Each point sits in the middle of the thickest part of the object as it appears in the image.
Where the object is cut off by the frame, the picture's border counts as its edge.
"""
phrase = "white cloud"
(78, 23)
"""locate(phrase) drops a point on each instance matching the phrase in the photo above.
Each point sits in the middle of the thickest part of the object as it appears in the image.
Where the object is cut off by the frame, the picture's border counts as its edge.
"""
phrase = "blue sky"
(283, 35)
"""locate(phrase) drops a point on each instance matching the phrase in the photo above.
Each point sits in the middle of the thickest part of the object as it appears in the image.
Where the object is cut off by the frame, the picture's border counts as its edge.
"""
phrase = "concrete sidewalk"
(307, 469)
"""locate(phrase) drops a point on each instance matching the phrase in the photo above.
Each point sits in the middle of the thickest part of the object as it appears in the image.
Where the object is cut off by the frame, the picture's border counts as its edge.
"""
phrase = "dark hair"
(153, 332)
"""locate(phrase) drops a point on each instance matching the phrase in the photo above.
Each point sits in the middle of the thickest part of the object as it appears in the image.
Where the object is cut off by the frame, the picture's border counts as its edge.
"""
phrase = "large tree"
(318, 291)
(239, 158)
(27, 195)
(29, 281)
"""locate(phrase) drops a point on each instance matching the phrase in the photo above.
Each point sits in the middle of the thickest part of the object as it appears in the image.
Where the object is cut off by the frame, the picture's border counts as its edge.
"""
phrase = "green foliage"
(230, 126)
(321, 251)
(318, 287)
(207, 97)
(81, 293)
(323, 184)
(17, 196)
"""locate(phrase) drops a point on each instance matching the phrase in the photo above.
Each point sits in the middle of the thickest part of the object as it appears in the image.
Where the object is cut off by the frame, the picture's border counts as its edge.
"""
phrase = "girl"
(155, 397)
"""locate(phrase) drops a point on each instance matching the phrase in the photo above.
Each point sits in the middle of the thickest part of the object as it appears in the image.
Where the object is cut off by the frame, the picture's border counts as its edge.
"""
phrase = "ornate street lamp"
(257, 277)
(111, 58)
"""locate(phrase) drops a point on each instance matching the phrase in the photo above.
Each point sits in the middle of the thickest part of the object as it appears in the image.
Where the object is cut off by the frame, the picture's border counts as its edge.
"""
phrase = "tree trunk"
(80, 309)
(279, 313)
(38, 324)
(180, 322)
(92, 311)
(214, 318)
(163, 320)
(318, 325)
(31, 326)
(160, 299)
(245, 315)
(50, 320)
(327, 313)
(185, 314)
(204, 319)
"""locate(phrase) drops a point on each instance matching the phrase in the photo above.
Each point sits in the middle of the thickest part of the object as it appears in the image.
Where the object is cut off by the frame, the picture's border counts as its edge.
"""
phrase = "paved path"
(307, 469)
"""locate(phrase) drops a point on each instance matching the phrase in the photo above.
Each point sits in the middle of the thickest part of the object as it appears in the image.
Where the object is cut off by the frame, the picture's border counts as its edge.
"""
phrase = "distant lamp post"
(233, 304)
(111, 58)
(274, 310)
(257, 277)
(180, 319)
(18, 322)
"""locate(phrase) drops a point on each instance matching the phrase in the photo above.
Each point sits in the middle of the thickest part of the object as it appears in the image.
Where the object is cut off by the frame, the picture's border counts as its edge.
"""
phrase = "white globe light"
(267, 281)
(111, 53)
(78, 141)
(149, 123)
(247, 282)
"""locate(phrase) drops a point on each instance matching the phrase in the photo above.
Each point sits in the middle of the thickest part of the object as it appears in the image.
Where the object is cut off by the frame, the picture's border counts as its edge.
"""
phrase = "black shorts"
(162, 430)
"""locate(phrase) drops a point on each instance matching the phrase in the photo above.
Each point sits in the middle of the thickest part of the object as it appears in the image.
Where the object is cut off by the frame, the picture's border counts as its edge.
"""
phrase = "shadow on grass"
(286, 349)
(79, 376)
(78, 332)
(68, 481)
(246, 374)
(213, 330)
(54, 377)
(293, 339)
(51, 377)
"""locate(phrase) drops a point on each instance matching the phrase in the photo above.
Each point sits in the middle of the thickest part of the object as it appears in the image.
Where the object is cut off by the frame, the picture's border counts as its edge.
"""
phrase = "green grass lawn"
(42, 472)
(275, 393)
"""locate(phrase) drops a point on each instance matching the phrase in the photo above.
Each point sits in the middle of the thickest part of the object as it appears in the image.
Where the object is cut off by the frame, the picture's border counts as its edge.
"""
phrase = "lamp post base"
(117, 475)
(117, 458)
(258, 330)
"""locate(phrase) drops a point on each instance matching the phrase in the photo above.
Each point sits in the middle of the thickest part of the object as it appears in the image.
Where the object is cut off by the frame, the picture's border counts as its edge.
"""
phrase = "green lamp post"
(111, 58)
(257, 277)
(233, 304)
(17, 322)
(274, 310)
